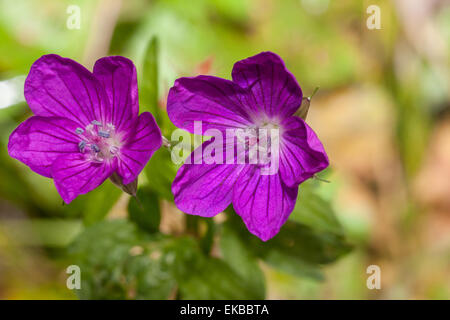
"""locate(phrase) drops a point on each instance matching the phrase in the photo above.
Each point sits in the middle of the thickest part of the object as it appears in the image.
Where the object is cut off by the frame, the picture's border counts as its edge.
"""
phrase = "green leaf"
(301, 245)
(161, 172)
(149, 277)
(117, 261)
(293, 265)
(240, 258)
(149, 87)
(207, 239)
(202, 277)
(313, 210)
(149, 79)
(214, 280)
(297, 249)
(96, 204)
(144, 210)
(182, 256)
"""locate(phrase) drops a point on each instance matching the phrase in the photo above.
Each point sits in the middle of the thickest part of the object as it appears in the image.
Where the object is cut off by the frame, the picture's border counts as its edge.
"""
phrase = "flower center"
(258, 141)
(98, 141)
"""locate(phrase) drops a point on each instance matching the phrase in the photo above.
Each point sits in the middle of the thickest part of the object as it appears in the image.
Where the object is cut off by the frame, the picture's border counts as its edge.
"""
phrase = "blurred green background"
(382, 113)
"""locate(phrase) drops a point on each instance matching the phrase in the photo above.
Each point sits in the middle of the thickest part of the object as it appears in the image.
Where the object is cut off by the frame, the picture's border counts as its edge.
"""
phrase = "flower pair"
(86, 128)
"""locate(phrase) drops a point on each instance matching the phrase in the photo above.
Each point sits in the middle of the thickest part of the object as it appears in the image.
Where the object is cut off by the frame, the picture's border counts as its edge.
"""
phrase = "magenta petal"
(118, 76)
(273, 88)
(39, 141)
(264, 202)
(204, 189)
(214, 101)
(302, 154)
(61, 87)
(139, 148)
(74, 175)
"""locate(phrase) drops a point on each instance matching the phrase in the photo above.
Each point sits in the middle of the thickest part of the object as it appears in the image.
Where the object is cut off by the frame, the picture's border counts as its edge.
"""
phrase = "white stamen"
(103, 134)
(81, 146)
(95, 148)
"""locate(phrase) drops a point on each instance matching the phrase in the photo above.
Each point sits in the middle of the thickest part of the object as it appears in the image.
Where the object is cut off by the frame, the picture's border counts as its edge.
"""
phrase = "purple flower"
(262, 95)
(86, 126)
